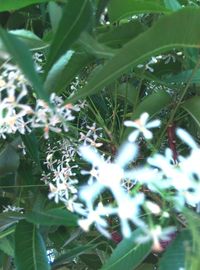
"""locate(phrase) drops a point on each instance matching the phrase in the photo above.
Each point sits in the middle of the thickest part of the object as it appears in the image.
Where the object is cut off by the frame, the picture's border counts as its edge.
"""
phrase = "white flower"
(141, 126)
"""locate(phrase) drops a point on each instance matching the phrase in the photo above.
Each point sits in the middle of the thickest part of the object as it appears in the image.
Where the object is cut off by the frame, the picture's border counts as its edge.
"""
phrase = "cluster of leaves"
(109, 46)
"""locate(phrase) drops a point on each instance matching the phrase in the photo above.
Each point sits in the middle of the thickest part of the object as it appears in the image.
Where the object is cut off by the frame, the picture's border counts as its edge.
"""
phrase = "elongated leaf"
(76, 17)
(10, 5)
(52, 217)
(65, 70)
(173, 5)
(183, 77)
(118, 9)
(70, 254)
(30, 252)
(20, 53)
(55, 14)
(117, 36)
(192, 106)
(9, 160)
(128, 255)
(140, 49)
(8, 219)
(6, 246)
(29, 38)
(152, 104)
(175, 255)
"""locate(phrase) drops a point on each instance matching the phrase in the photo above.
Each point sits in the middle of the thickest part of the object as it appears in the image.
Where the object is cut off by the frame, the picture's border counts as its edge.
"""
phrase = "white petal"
(127, 153)
(186, 137)
(147, 134)
(129, 123)
(133, 136)
(144, 117)
(90, 154)
(153, 124)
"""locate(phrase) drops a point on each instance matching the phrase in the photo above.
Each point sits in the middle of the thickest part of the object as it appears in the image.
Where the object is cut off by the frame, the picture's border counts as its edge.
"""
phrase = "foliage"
(76, 76)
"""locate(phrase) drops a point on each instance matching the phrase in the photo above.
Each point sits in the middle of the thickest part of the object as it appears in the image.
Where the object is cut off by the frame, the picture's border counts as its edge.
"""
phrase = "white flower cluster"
(61, 178)
(91, 136)
(160, 174)
(16, 115)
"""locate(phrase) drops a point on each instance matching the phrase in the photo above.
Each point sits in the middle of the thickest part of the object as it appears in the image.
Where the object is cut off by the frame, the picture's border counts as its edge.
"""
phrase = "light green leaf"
(10, 5)
(76, 17)
(175, 255)
(29, 38)
(55, 14)
(21, 55)
(30, 252)
(192, 106)
(65, 70)
(139, 49)
(51, 217)
(118, 9)
(8, 219)
(184, 76)
(128, 254)
(172, 4)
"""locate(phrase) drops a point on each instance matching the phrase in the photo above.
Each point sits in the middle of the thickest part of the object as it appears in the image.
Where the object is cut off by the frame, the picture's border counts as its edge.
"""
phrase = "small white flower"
(142, 126)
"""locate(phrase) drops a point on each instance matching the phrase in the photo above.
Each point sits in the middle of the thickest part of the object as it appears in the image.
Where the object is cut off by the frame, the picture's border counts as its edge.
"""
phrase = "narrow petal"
(153, 124)
(147, 134)
(144, 117)
(186, 137)
(133, 136)
(127, 153)
(90, 154)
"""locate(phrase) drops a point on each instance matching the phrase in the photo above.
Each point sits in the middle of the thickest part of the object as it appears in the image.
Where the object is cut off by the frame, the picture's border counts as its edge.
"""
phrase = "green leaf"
(51, 217)
(175, 255)
(8, 219)
(29, 38)
(100, 9)
(20, 53)
(139, 49)
(71, 254)
(119, 35)
(183, 77)
(30, 252)
(172, 4)
(76, 17)
(7, 247)
(10, 5)
(93, 47)
(128, 254)
(65, 70)
(192, 106)
(55, 14)
(152, 104)
(9, 160)
(118, 9)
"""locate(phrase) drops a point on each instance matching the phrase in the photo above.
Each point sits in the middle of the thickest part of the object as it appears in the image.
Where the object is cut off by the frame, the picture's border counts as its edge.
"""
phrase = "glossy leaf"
(55, 14)
(51, 217)
(10, 5)
(65, 70)
(192, 106)
(76, 17)
(183, 77)
(6, 246)
(134, 52)
(29, 38)
(21, 55)
(118, 9)
(173, 5)
(174, 256)
(30, 252)
(128, 254)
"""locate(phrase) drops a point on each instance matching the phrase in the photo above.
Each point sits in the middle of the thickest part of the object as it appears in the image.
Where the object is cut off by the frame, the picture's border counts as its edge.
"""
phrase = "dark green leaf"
(52, 217)
(152, 104)
(175, 255)
(76, 17)
(128, 254)
(7, 246)
(192, 106)
(134, 52)
(118, 9)
(10, 5)
(20, 53)
(30, 252)
(9, 160)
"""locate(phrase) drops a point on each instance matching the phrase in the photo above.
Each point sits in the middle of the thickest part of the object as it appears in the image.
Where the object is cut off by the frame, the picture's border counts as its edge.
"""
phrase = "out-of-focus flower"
(142, 126)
